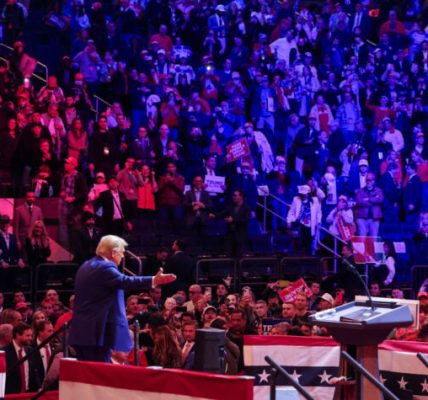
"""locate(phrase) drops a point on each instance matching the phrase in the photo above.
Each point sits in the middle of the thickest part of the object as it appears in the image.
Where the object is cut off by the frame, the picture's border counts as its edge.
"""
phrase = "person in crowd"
(37, 245)
(305, 211)
(181, 265)
(114, 217)
(197, 203)
(166, 352)
(103, 149)
(188, 330)
(97, 188)
(22, 378)
(146, 202)
(368, 208)
(170, 197)
(73, 193)
(341, 219)
(412, 194)
(385, 270)
(236, 216)
(77, 139)
(87, 238)
(24, 217)
(9, 250)
(129, 179)
(43, 356)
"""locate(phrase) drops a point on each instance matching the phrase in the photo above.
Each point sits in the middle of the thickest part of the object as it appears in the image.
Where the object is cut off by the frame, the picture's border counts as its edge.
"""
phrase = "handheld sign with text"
(214, 183)
(236, 150)
(293, 289)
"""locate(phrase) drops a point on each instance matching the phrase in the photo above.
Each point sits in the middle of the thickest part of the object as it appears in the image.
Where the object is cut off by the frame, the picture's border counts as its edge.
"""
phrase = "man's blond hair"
(110, 243)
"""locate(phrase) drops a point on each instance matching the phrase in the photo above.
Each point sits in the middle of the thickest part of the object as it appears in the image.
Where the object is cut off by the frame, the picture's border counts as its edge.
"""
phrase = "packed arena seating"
(242, 145)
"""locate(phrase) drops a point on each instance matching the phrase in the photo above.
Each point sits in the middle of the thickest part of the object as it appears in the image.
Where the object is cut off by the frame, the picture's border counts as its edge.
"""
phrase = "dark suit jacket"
(191, 216)
(241, 217)
(10, 254)
(106, 201)
(99, 316)
(412, 194)
(13, 377)
(183, 266)
(22, 220)
(85, 245)
(305, 150)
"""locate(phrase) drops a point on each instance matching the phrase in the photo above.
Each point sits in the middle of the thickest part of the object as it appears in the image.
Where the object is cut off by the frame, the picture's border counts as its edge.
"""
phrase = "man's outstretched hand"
(162, 279)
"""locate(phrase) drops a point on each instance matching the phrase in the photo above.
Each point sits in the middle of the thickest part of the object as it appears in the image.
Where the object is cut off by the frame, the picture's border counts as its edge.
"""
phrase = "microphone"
(352, 268)
(135, 257)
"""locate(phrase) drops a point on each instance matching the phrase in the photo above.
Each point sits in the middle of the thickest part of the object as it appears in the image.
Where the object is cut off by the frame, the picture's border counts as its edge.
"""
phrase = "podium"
(364, 326)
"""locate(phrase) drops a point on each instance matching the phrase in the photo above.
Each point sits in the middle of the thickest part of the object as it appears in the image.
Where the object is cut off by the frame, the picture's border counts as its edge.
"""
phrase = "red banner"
(237, 150)
(290, 292)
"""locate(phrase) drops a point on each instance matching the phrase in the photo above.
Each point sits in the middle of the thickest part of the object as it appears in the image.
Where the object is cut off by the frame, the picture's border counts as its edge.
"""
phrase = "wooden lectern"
(364, 325)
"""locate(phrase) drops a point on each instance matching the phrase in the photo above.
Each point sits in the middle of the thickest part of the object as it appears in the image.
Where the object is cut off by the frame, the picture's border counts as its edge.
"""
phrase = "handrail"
(99, 100)
(44, 66)
(279, 370)
(6, 46)
(332, 251)
(332, 234)
(423, 359)
(275, 197)
(387, 393)
(96, 97)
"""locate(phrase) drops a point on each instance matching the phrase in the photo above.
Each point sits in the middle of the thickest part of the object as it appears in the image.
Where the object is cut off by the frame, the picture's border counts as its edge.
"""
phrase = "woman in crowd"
(385, 270)
(147, 190)
(305, 211)
(77, 140)
(37, 244)
(341, 219)
(166, 352)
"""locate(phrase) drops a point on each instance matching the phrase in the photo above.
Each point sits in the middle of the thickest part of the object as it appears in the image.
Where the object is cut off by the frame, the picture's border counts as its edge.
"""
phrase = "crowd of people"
(326, 101)
(168, 326)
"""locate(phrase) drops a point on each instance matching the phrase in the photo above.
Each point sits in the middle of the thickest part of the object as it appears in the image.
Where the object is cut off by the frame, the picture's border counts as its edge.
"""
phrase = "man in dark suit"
(113, 203)
(24, 217)
(188, 331)
(361, 20)
(391, 194)
(197, 203)
(99, 322)
(21, 378)
(103, 149)
(236, 216)
(181, 265)
(43, 356)
(87, 238)
(304, 143)
(9, 251)
(412, 194)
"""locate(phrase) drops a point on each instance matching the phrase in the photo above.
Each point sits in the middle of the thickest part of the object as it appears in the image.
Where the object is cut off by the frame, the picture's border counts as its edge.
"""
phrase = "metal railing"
(333, 250)
(44, 79)
(99, 100)
(266, 209)
(40, 64)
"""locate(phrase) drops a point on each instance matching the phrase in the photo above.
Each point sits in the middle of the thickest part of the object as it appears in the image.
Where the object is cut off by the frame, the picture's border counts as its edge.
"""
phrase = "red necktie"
(186, 351)
(48, 355)
(22, 370)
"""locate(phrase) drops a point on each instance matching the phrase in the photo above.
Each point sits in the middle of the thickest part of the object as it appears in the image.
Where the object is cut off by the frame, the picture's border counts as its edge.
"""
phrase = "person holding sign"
(306, 211)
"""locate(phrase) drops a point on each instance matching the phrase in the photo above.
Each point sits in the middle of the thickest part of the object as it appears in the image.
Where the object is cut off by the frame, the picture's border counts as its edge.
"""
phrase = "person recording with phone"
(99, 324)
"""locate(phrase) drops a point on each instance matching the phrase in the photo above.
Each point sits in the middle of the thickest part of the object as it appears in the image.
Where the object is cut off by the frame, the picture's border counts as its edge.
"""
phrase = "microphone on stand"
(352, 268)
